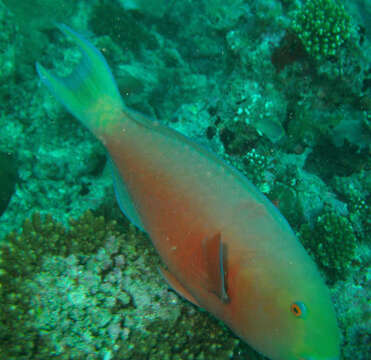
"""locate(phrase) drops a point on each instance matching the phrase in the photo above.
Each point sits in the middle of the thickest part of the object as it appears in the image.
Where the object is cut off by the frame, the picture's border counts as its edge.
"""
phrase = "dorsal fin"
(213, 251)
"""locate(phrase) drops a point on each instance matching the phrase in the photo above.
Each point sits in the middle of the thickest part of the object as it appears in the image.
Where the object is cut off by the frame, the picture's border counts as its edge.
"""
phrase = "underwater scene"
(185, 179)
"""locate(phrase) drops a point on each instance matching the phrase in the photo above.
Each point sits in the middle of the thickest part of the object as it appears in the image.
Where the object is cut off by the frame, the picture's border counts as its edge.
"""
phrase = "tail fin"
(90, 92)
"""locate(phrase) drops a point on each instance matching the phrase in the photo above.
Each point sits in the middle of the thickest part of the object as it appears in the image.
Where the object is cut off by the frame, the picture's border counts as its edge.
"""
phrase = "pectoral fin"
(214, 257)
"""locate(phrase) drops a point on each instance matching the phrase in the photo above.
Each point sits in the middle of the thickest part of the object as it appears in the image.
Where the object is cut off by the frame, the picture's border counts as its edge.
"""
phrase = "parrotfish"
(225, 246)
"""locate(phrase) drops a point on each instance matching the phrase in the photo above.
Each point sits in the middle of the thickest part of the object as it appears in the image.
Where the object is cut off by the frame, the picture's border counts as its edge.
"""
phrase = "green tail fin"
(90, 92)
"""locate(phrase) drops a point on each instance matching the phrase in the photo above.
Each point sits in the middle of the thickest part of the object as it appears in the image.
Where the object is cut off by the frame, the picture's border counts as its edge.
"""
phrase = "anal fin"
(177, 286)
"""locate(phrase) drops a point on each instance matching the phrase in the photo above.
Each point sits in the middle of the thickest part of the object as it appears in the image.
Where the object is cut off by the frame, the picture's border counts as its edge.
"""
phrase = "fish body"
(227, 249)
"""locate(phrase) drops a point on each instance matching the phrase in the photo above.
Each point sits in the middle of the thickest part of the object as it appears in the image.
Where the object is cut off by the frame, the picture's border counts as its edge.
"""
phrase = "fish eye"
(298, 309)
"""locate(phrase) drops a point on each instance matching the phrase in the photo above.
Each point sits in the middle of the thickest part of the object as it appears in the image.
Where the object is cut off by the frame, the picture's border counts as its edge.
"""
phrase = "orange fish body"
(226, 247)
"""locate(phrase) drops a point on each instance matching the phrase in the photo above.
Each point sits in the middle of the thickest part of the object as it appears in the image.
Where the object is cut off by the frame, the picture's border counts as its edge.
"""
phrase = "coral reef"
(352, 300)
(7, 38)
(155, 8)
(322, 26)
(134, 316)
(21, 257)
(281, 92)
(332, 243)
(356, 191)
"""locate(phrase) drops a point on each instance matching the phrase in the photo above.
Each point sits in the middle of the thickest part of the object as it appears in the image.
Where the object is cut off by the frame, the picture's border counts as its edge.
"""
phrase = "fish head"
(285, 312)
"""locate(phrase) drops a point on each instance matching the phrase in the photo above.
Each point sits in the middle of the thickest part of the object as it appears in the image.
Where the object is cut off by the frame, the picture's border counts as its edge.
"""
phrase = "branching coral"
(21, 257)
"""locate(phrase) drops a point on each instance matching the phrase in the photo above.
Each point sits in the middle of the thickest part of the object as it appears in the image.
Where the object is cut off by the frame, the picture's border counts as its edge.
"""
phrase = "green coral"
(356, 192)
(21, 256)
(322, 26)
(194, 336)
(88, 233)
(331, 242)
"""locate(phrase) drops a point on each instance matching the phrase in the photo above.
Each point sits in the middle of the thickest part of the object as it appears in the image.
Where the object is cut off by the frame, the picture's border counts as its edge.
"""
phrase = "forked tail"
(90, 92)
